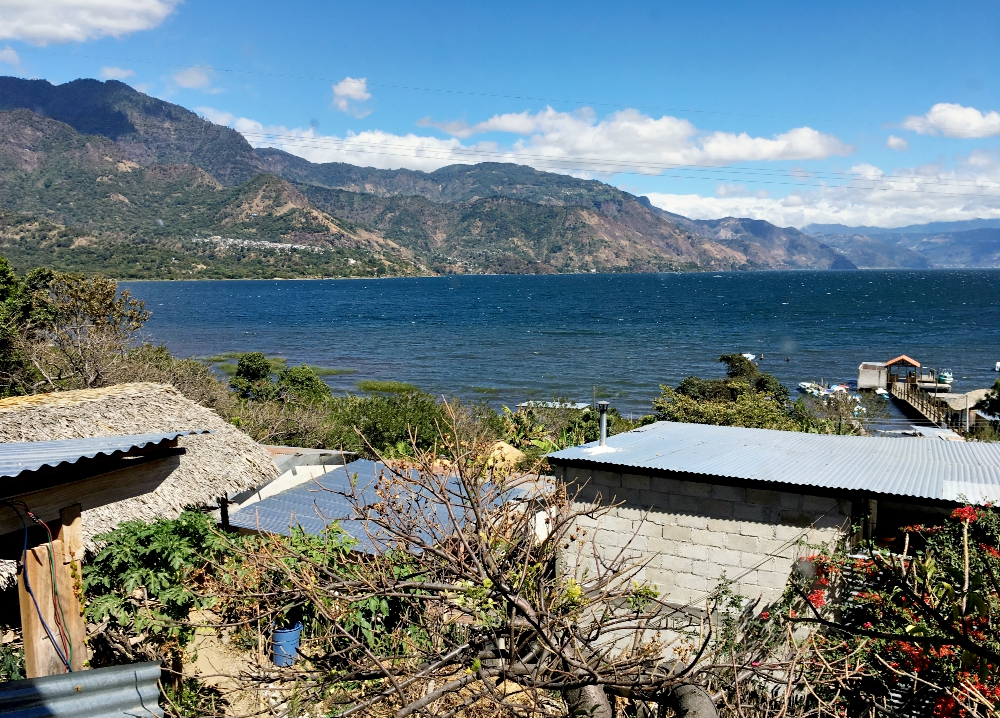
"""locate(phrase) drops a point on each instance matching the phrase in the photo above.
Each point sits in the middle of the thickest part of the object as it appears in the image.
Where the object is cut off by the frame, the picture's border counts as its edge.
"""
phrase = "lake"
(618, 336)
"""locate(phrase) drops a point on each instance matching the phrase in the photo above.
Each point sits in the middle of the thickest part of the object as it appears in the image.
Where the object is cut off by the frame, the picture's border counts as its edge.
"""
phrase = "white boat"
(997, 367)
(882, 393)
(946, 376)
(749, 357)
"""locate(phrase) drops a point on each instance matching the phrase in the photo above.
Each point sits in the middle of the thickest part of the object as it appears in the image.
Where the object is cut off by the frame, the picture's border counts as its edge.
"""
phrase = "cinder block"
(616, 523)
(763, 497)
(785, 532)
(724, 556)
(775, 547)
(675, 564)
(704, 537)
(607, 478)
(656, 500)
(759, 529)
(772, 579)
(634, 481)
(693, 521)
(729, 493)
(708, 569)
(724, 525)
(755, 512)
(790, 501)
(746, 580)
(696, 488)
(682, 503)
(738, 542)
(690, 550)
(677, 533)
(718, 509)
(660, 545)
(690, 581)
(821, 504)
(665, 486)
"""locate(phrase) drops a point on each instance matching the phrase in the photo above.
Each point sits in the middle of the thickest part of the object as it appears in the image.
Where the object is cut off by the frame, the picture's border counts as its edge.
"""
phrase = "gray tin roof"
(918, 468)
(314, 504)
(19, 457)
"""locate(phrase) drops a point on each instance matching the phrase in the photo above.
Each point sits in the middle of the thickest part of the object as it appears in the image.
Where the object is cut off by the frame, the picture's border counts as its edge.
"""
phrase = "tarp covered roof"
(914, 467)
(903, 359)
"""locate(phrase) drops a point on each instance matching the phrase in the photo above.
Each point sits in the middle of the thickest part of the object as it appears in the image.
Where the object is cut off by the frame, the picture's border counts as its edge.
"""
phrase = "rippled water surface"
(508, 338)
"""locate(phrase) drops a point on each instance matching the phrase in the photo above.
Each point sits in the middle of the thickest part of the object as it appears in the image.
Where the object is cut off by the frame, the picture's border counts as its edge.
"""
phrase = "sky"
(883, 114)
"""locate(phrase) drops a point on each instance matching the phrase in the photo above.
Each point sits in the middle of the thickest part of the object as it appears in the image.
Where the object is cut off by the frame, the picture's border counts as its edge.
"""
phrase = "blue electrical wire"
(27, 587)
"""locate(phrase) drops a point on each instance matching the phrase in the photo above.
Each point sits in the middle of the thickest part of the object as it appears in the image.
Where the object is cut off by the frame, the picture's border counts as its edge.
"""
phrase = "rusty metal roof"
(911, 467)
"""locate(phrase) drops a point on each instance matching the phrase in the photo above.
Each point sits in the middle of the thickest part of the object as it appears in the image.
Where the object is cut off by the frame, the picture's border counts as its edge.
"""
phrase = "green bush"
(302, 383)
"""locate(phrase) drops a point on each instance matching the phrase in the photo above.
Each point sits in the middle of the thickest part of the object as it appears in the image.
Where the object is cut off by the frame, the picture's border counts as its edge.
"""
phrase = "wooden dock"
(922, 402)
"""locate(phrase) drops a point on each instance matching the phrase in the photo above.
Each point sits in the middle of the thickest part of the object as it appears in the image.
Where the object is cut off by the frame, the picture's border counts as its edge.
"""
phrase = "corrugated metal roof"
(19, 457)
(919, 468)
(314, 504)
(116, 692)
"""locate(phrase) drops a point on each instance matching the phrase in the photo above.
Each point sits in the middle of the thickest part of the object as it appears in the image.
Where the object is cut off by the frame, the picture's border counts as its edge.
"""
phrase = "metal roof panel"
(919, 468)
(19, 457)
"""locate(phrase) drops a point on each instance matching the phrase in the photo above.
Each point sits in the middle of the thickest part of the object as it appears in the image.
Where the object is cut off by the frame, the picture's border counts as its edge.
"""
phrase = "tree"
(302, 383)
(63, 331)
(253, 378)
(461, 597)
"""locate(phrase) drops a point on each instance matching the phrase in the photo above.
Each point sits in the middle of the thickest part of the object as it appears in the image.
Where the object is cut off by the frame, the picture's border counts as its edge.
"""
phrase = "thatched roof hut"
(223, 462)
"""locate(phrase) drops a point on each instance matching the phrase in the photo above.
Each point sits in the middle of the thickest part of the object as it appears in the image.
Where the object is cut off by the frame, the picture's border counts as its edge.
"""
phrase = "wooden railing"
(919, 400)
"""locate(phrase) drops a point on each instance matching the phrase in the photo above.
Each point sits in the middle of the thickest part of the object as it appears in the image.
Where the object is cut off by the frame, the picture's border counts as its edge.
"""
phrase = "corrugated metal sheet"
(18, 457)
(103, 692)
(919, 468)
(314, 504)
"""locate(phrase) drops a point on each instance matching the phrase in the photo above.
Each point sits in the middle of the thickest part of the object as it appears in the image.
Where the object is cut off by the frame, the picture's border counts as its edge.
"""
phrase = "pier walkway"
(919, 400)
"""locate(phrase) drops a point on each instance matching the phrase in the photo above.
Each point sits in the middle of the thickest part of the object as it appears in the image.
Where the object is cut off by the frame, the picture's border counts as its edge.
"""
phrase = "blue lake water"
(539, 337)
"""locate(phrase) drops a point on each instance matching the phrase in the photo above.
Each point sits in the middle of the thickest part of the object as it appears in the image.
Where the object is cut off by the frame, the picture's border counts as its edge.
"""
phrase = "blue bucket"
(286, 645)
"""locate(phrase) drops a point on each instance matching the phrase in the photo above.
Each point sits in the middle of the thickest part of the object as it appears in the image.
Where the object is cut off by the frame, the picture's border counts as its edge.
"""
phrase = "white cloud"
(219, 117)
(349, 91)
(9, 56)
(116, 73)
(629, 140)
(897, 143)
(196, 78)
(953, 120)
(928, 193)
(43, 21)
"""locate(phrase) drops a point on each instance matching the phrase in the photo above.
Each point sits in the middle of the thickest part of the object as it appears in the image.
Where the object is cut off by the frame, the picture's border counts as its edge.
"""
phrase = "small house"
(702, 502)
(873, 375)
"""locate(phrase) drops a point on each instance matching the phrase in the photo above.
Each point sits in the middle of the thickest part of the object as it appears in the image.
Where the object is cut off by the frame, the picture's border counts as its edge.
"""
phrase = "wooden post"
(71, 535)
(38, 611)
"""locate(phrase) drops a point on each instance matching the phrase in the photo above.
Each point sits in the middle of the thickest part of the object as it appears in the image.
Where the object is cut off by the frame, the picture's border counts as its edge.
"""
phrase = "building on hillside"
(744, 502)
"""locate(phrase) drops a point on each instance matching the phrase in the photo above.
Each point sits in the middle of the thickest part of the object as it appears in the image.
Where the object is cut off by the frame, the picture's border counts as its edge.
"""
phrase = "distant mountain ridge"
(926, 229)
(186, 177)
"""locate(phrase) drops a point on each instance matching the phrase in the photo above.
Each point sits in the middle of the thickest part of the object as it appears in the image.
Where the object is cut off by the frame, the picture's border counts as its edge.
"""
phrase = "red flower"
(966, 513)
(817, 598)
(867, 625)
(945, 707)
(764, 615)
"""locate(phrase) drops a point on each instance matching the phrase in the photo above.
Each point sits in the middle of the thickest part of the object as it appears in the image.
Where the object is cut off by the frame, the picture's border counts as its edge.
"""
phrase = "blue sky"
(862, 113)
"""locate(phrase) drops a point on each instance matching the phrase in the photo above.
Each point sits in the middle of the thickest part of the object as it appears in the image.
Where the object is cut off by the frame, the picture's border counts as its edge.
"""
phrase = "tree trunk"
(588, 702)
(692, 702)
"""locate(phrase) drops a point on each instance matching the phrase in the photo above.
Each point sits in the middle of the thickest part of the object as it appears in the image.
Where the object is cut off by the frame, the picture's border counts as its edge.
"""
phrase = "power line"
(472, 93)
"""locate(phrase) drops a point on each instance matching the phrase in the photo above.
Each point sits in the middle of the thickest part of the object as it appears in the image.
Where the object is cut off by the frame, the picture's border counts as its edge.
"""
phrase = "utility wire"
(472, 93)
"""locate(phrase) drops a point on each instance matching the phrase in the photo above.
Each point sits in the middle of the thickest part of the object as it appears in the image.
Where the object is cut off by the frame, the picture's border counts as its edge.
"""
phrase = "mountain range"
(99, 177)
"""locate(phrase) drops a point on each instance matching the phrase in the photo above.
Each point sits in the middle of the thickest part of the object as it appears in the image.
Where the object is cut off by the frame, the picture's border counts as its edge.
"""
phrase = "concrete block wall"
(693, 532)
